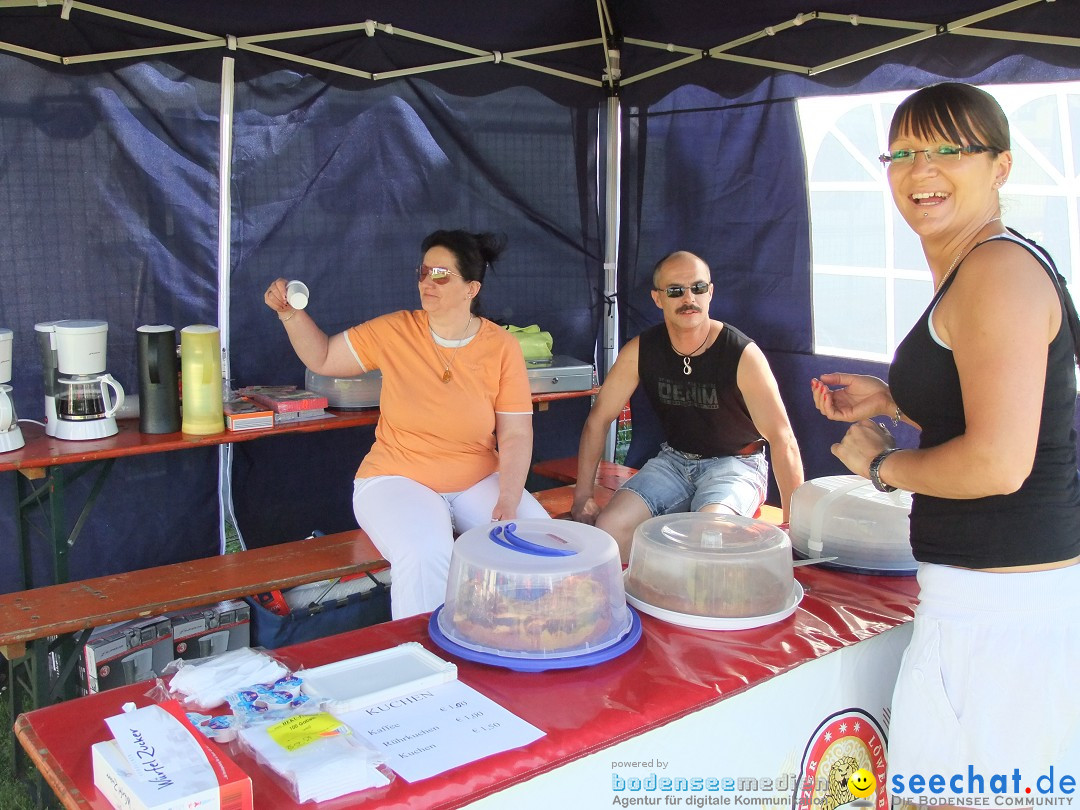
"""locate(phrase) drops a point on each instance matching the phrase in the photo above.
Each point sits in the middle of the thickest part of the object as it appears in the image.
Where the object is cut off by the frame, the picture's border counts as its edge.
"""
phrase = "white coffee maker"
(11, 437)
(85, 409)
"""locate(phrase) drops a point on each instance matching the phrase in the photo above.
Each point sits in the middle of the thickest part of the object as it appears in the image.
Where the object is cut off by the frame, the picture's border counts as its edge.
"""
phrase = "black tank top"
(1040, 522)
(701, 412)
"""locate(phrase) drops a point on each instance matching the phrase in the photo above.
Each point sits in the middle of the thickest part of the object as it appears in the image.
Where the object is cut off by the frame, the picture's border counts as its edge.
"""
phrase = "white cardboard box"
(227, 787)
(211, 630)
(125, 653)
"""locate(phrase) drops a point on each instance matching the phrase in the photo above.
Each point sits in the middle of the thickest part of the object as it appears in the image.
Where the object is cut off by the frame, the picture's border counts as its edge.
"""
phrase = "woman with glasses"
(454, 439)
(987, 374)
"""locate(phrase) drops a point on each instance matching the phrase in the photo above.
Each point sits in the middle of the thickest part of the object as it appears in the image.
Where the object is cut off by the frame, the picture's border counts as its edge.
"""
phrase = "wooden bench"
(30, 619)
(74, 606)
(609, 476)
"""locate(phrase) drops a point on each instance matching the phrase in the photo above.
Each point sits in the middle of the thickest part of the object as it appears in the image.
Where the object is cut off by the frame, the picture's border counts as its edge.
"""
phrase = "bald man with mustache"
(718, 404)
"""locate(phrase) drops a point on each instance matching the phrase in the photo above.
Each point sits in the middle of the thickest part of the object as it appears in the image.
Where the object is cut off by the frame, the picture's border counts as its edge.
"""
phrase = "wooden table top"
(41, 451)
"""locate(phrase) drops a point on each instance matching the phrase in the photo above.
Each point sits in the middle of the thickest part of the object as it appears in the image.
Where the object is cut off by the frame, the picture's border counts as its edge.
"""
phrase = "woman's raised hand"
(274, 297)
(851, 397)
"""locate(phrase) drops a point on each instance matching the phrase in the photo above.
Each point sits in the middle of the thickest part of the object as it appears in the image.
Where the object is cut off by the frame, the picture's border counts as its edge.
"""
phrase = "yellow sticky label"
(303, 729)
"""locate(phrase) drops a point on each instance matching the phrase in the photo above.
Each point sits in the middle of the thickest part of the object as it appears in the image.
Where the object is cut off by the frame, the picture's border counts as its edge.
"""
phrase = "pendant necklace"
(956, 260)
(686, 357)
(447, 376)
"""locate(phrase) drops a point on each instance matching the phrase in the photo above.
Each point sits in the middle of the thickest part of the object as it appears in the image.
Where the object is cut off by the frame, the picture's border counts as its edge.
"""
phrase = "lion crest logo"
(844, 743)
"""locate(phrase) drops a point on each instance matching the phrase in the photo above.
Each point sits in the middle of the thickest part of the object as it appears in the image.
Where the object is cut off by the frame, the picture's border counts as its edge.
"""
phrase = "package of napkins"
(315, 756)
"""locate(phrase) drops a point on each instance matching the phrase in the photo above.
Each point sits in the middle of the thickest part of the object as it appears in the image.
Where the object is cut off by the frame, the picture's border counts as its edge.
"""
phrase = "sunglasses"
(440, 275)
(678, 290)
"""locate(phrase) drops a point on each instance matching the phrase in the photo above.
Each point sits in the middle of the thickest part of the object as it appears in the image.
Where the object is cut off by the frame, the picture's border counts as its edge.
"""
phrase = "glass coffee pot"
(87, 397)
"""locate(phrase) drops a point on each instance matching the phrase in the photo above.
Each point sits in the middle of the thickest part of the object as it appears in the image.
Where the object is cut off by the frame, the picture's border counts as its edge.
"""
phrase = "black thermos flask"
(159, 391)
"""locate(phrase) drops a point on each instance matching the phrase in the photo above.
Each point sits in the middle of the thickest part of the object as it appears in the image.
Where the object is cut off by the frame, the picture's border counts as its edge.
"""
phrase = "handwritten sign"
(162, 752)
(435, 729)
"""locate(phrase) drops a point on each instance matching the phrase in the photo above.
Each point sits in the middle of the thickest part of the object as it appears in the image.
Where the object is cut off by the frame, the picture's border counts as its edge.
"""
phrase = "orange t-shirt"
(439, 434)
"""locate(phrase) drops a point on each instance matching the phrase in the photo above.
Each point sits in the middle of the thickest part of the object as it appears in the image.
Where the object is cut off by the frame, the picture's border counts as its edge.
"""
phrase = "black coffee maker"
(159, 391)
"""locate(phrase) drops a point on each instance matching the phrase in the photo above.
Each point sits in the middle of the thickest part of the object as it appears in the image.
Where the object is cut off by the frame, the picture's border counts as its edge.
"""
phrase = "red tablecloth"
(670, 673)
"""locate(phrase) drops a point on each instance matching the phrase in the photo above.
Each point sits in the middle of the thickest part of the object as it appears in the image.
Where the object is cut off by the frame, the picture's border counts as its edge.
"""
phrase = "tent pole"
(613, 168)
(226, 516)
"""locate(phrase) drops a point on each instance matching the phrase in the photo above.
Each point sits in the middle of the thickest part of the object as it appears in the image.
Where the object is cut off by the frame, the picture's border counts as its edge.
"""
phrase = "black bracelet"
(875, 470)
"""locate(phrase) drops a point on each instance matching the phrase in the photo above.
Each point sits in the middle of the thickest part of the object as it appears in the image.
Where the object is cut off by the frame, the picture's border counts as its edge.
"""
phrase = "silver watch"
(875, 470)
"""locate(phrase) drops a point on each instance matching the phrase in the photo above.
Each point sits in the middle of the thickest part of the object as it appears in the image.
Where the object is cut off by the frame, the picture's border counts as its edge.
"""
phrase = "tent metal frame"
(923, 31)
(965, 26)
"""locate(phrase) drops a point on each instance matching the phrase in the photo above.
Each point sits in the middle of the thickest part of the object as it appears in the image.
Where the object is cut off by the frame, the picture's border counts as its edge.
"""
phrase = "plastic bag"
(535, 344)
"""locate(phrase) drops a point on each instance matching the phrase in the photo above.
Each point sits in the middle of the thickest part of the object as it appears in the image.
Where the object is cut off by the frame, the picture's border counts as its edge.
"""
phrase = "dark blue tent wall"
(111, 212)
(337, 185)
(108, 188)
(109, 180)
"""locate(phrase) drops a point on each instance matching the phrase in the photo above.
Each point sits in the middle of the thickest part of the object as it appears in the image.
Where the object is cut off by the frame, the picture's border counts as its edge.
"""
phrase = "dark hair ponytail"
(475, 254)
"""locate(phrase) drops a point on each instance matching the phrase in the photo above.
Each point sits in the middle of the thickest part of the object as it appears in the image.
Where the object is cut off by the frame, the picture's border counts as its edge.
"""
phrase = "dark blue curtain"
(337, 185)
(110, 192)
(725, 181)
(108, 184)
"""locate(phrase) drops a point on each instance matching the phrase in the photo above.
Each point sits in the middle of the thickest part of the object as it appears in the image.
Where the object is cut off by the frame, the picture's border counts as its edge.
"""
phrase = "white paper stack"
(321, 770)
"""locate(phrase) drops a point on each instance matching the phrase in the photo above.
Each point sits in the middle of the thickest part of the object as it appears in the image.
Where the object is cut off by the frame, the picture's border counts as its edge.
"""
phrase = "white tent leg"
(611, 249)
(226, 515)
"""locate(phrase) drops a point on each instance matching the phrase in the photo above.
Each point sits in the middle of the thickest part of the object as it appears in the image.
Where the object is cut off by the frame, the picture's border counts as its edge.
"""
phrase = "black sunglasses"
(678, 290)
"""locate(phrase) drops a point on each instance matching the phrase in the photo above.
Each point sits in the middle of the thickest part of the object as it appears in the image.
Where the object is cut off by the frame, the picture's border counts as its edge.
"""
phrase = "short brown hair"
(960, 113)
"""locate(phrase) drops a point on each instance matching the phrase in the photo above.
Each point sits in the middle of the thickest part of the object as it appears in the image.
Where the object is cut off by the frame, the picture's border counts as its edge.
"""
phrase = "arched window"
(870, 280)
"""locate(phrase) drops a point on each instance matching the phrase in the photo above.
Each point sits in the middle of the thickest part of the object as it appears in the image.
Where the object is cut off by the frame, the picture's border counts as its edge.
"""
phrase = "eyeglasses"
(678, 290)
(905, 157)
(440, 275)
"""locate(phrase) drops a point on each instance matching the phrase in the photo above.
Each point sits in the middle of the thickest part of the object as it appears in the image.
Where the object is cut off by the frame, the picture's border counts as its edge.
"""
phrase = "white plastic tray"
(719, 623)
(356, 682)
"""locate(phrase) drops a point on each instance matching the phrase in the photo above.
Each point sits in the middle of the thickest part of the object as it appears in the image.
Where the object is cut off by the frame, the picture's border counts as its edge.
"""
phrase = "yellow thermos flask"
(200, 378)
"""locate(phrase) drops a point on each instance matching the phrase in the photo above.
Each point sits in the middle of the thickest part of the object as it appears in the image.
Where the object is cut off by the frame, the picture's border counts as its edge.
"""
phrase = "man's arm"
(620, 383)
(762, 396)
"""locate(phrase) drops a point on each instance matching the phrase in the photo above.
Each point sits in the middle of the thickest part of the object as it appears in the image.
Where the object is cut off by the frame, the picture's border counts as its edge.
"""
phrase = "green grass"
(13, 793)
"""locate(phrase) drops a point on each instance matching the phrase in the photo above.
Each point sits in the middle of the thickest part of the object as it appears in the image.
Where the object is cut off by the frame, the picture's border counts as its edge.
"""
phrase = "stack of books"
(288, 403)
(246, 414)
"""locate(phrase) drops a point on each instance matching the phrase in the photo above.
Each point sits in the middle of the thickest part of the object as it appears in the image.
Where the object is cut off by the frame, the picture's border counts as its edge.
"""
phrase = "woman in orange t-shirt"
(454, 439)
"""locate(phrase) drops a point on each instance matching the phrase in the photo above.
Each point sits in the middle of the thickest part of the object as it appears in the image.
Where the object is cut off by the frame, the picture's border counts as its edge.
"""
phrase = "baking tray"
(344, 686)
(719, 622)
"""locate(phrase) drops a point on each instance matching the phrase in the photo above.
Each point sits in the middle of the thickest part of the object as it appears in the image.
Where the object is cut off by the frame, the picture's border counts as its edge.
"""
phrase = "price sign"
(439, 728)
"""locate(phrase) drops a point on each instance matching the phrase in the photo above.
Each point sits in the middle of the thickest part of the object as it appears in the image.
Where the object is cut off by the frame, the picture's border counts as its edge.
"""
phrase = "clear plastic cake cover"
(535, 589)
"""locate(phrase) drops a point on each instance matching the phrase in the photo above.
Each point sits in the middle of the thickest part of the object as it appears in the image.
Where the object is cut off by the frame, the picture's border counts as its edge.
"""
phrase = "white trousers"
(988, 683)
(413, 527)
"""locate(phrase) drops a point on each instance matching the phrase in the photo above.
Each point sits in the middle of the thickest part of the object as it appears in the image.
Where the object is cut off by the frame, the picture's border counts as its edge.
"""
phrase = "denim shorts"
(673, 482)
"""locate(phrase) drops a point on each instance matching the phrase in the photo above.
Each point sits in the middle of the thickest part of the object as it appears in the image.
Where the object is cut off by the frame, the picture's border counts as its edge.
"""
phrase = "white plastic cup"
(296, 293)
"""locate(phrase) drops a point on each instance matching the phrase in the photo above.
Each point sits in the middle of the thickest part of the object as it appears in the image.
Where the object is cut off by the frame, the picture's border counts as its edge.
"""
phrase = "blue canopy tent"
(162, 163)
